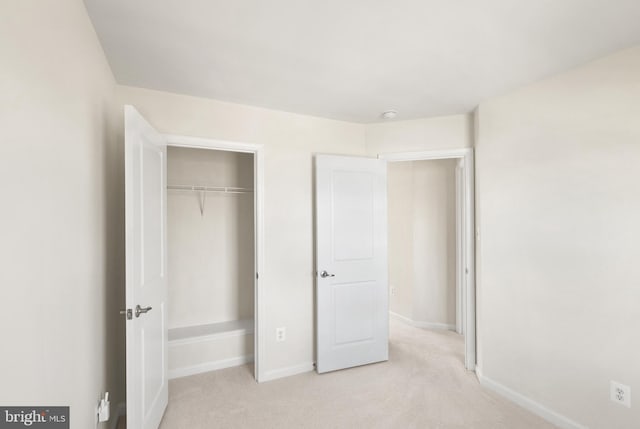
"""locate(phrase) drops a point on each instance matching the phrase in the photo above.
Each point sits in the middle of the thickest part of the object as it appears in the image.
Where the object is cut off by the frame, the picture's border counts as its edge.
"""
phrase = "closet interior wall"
(211, 253)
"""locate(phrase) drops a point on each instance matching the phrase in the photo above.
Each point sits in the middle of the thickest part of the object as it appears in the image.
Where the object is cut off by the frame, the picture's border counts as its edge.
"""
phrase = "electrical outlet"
(281, 334)
(620, 394)
(393, 290)
(103, 410)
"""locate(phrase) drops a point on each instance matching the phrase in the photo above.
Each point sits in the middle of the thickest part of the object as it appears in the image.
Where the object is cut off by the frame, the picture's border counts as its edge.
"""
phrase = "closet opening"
(213, 230)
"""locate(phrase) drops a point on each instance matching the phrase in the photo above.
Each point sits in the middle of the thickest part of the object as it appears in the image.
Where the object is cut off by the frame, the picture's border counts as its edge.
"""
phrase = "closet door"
(351, 239)
(146, 277)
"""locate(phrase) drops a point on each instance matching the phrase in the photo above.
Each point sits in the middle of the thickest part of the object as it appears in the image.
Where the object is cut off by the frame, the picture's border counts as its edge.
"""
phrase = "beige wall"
(422, 240)
(62, 219)
(558, 207)
(400, 236)
(445, 132)
(211, 254)
(289, 143)
(434, 241)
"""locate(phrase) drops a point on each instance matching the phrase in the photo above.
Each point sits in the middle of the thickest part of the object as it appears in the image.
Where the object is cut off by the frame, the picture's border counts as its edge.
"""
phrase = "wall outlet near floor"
(620, 394)
(103, 409)
(281, 334)
(392, 290)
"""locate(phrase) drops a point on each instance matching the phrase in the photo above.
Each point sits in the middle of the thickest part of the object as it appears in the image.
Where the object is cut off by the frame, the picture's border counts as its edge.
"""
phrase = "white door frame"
(258, 195)
(465, 260)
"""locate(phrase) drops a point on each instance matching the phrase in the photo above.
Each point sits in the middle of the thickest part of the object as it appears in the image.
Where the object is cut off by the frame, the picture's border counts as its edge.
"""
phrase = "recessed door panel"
(152, 228)
(354, 312)
(152, 344)
(352, 215)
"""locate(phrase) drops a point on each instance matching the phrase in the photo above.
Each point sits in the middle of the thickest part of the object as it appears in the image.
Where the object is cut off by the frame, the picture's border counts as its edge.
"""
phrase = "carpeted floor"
(423, 385)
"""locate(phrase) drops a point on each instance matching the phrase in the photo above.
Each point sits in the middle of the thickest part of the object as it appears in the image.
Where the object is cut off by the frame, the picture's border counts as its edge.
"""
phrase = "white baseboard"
(527, 403)
(419, 324)
(286, 372)
(209, 366)
(121, 410)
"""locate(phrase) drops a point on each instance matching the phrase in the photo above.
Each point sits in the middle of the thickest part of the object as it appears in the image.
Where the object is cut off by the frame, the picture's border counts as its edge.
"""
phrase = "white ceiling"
(353, 59)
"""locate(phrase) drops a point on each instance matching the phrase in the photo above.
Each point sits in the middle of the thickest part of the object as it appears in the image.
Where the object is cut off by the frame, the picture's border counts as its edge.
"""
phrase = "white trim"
(459, 251)
(401, 318)
(527, 403)
(421, 324)
(422, 155)
(206, 143)
(258, 192)
(274, 374)
(465, 268)
(209, 366)
(469, 244)
(121, 410)
(260, 313)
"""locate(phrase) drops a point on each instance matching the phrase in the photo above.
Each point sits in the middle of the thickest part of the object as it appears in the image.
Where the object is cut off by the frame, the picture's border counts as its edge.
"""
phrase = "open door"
(351, 262)
(146, 278)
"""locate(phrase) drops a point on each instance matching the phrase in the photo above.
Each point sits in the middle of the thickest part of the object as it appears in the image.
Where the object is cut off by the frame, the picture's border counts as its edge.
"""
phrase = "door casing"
(465, 242)
(258, 178)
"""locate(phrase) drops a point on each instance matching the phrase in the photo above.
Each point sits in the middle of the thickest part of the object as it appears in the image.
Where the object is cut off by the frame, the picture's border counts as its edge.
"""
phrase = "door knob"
(140, 310)
(325, 274)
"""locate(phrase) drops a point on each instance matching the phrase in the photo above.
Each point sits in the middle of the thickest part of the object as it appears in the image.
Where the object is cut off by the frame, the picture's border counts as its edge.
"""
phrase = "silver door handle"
(140, 310)
(325, 274)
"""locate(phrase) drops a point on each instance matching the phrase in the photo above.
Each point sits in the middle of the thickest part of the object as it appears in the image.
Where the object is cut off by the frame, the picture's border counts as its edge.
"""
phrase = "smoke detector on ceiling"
(389, 114)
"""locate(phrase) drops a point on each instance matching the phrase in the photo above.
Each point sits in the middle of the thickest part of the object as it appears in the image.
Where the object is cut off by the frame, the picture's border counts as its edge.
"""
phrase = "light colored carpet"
(423, 385)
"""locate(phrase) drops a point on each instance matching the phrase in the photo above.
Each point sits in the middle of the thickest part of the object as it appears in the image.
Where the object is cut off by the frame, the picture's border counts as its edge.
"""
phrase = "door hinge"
(257, 276)
(128, 312)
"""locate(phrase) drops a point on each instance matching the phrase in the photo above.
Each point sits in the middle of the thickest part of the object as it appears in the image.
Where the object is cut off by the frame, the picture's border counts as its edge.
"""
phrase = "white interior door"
(351, 262)
(146, 281)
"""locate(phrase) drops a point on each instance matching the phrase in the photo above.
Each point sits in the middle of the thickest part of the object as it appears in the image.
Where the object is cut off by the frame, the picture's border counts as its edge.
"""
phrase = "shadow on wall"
(114, 295)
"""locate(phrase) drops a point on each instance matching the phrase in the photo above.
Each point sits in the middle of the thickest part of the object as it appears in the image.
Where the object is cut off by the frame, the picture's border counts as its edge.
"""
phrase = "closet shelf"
(222, 189)
(211, 331)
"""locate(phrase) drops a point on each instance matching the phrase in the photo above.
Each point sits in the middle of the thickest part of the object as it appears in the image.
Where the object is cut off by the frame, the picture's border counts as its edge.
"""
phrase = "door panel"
(146, 282)
(355, 312)
(152, 230)
(351, 240)
(352, 215)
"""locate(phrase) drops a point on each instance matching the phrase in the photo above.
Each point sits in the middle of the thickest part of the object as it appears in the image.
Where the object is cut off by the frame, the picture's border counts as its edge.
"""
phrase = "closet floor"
(423, 385)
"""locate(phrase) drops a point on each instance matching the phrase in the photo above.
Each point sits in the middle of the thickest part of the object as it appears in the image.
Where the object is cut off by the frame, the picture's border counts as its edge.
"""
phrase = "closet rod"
(223, 189)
